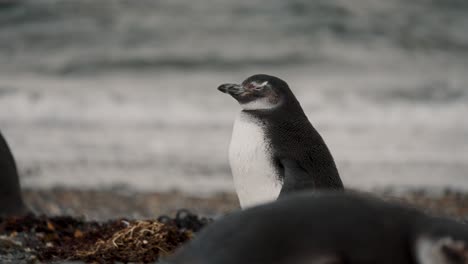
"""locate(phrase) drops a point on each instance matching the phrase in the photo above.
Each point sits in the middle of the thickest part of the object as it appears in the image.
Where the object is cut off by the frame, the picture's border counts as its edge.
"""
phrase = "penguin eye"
(259, 88)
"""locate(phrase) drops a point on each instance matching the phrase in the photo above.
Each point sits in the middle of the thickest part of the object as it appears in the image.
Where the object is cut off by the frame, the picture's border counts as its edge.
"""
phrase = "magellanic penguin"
(272, 132)
(328, 228)
(11, 201)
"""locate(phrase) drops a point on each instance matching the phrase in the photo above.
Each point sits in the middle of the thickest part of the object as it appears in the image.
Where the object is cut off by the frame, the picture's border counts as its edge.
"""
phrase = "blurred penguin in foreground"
(330, 228)
(11, 202)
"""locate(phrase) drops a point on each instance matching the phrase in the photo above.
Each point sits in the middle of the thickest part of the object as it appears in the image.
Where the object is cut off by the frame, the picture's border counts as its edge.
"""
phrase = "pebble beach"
(80, 220)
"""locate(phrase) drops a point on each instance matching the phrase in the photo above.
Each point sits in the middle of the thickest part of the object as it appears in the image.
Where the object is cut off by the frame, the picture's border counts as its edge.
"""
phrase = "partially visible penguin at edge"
(328, 228)
(272, 134)
(11, 201)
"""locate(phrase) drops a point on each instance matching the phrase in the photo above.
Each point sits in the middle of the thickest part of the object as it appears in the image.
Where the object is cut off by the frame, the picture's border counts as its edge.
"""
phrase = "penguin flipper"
(295, 178)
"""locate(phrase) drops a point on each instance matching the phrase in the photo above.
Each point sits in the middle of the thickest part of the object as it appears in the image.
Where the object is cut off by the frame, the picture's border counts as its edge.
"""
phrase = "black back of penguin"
(11, 202)
(328, 228)
(293, 137)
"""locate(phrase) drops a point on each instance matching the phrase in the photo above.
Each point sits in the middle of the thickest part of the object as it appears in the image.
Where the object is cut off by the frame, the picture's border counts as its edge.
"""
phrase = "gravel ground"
(110, 204)
(103, 205)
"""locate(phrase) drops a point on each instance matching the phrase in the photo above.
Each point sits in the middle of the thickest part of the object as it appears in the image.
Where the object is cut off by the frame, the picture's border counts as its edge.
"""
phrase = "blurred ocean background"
(111, 93)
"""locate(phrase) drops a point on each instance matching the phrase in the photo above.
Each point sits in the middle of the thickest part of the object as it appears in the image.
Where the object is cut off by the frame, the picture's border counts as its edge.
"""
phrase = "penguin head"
(259, 92)
(442, 242)
(442, 250)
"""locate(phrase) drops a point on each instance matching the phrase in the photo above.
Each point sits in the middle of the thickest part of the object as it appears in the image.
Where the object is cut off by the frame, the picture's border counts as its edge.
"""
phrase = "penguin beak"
(231, 88)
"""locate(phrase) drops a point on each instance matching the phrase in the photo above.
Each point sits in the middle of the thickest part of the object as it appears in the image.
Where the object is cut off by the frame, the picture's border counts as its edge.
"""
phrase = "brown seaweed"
(68, 238)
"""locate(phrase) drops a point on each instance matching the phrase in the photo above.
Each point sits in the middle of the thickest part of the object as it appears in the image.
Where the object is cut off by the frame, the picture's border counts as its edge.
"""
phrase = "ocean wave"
(61, 36)
(438, 91)
(99, 65)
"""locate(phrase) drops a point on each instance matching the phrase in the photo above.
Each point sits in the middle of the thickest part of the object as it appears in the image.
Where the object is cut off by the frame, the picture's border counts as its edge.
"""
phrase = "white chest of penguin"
(254, 175)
